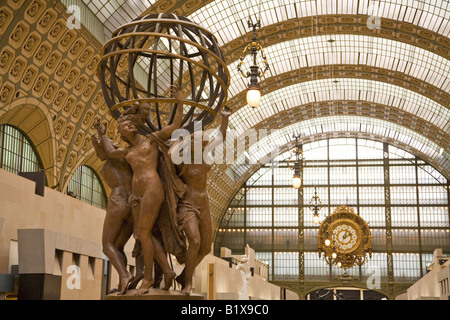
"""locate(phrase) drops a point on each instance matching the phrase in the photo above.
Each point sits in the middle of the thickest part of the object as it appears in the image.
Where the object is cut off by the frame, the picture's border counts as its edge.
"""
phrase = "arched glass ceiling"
(370, 149)
(349, 49)
(346, 89)
(310, 150)
(228, 19)
(114, 13)
(282, 137)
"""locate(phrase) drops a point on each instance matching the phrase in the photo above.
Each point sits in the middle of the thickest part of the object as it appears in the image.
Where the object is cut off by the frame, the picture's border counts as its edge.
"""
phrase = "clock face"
(345, 236)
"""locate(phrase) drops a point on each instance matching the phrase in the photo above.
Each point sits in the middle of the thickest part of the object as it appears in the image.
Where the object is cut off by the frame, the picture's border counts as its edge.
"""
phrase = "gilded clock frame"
(347, 258)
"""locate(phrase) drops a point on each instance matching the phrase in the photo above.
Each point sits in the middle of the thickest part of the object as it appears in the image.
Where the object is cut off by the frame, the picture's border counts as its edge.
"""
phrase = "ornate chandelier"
(296, 162)
(344, 239)
(315, 204)
(253, 92)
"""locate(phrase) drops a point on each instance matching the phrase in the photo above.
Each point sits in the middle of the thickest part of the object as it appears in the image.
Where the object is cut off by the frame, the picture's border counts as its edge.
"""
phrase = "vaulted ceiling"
(386, 82)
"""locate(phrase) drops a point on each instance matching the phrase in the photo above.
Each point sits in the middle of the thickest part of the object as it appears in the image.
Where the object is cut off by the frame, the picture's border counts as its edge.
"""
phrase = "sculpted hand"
(175, 89)
(100, 128)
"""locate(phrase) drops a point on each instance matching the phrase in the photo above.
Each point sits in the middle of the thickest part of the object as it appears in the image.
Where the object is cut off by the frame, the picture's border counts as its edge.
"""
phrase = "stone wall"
(56, 239)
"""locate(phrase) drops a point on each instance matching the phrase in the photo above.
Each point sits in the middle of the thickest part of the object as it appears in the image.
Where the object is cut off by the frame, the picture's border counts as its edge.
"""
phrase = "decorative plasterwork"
(48, 69)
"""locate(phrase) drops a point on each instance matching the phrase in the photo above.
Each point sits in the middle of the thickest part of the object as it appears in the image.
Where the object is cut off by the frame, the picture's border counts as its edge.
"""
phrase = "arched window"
(396, 192)
(86, 186)
(17, 154)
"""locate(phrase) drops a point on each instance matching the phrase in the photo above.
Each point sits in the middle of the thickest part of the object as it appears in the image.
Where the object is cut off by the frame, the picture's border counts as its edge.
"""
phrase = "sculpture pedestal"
(154, 294)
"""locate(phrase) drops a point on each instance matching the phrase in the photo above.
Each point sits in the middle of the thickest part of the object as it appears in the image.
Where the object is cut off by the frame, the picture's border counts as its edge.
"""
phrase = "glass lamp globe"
(327, 242)
(296, 182)
(316, 219)
(334, 255)
(253, 97)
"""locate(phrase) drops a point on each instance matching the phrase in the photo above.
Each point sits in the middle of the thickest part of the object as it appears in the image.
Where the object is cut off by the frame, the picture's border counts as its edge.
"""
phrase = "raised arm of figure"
(96, 141)
(166, 132)
(108, 147)
(226, 112)
(98, 147)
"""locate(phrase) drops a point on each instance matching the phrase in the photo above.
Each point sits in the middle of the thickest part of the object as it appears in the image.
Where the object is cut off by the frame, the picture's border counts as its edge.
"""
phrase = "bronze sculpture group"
(164, 206)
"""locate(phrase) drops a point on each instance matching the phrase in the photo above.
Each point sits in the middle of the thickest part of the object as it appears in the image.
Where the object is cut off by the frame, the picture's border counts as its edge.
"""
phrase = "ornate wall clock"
(344, 238)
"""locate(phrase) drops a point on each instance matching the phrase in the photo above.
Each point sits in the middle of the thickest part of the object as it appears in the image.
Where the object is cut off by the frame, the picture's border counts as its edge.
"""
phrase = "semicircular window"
(85, 185)
(17, 153)
(394, 191)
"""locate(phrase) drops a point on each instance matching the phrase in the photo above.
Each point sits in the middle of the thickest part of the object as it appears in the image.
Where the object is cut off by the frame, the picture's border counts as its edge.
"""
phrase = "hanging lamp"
(253, 87)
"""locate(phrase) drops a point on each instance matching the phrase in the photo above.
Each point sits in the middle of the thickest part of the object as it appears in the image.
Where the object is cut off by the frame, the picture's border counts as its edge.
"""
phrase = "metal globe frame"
(170, 50)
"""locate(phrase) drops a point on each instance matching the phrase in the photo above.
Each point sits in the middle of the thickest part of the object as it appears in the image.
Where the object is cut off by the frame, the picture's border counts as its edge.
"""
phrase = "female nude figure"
(147, 189)
(193, 208)
(118, 224)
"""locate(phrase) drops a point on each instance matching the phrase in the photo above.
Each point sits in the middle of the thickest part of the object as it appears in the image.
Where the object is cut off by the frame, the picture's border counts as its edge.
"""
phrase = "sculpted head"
(131, 120)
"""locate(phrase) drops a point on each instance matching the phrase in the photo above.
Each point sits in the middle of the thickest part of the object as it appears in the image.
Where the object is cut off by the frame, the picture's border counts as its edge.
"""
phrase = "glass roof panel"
(228, 19)
(349, 49)
(232, 22)
(346, 89)
(367, 149)
(114, 13)
(279, 138)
